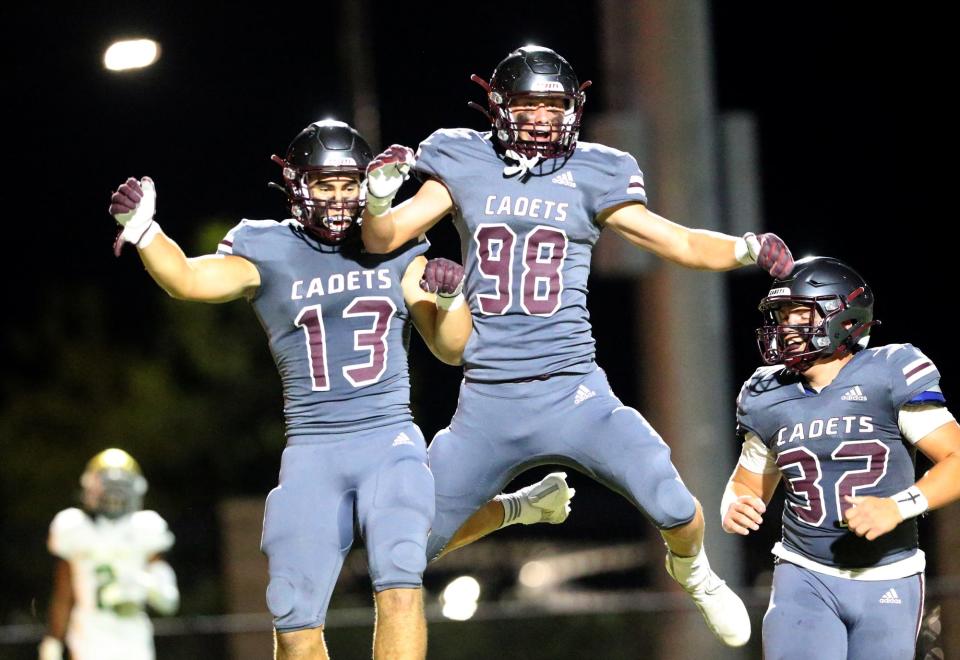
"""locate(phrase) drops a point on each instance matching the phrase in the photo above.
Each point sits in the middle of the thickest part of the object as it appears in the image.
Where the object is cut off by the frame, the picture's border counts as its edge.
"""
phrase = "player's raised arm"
(385, 229)
(871, 517)
(697, 248)
(433, 291)
(210, 278)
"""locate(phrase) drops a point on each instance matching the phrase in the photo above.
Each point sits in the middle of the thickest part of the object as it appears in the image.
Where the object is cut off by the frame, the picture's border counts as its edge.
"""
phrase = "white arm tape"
(911, 502)
(147, 237)
(755, 456)
(729, 497)
(916, 422)
(746, 249)
(450, 303)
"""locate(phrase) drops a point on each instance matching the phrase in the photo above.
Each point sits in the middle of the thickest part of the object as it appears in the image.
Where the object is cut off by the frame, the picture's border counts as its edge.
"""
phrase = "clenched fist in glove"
(133, 206)
(385, 174)
(767, 251)
(444, 278)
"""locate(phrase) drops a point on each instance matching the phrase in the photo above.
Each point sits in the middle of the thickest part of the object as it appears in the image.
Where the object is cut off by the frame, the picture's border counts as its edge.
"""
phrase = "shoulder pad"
(244, 230)
(71, 533)
(911, 372)
(151, 532)
(446, 146)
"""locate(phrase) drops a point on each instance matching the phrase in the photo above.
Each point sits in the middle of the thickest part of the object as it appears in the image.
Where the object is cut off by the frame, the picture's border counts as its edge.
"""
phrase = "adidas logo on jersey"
(565, 179)
(854, 394)
(891, 597)
(583, 393)
(402, 439)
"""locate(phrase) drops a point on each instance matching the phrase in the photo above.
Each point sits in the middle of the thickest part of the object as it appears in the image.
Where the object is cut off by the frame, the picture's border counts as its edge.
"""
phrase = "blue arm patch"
(927, 397)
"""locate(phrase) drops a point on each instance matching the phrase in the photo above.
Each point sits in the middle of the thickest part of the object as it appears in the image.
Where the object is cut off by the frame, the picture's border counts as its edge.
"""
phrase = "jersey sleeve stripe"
(914, 373)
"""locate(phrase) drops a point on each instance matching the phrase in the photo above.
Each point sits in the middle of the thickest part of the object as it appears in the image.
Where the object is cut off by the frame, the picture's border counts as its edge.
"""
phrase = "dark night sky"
(842, 100)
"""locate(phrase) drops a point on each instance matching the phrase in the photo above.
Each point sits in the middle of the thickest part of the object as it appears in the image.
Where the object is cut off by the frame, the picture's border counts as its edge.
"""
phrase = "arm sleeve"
(756, 456)
(918, 421)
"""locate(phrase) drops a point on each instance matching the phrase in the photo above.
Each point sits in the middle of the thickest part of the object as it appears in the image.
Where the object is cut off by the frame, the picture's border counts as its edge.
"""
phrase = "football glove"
(444, 278)
(385, 174)
(768, 251)
(50, 648)
(133, 206)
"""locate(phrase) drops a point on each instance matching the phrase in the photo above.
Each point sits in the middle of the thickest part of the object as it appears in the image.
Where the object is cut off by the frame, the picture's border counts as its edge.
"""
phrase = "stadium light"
(131, 54)
(460, 597)
(535, 574)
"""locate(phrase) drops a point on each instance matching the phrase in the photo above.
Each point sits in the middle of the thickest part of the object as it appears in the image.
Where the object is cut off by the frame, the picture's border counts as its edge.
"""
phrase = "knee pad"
(397, 527)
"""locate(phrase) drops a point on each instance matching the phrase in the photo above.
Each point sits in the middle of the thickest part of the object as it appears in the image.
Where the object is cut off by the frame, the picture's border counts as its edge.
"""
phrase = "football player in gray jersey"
(337, 320)
(840, 423)
(529, 202)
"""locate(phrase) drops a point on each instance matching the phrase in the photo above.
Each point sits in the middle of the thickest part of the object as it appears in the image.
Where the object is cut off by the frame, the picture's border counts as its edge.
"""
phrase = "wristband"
(147, 237)
(378, 206)
(911, 502)
(729, 497)
(742, 251)
(450, 303)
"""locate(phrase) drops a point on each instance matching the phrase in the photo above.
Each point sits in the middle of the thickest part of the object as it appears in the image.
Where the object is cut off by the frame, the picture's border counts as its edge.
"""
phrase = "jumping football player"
(337, 320)
(529, 202)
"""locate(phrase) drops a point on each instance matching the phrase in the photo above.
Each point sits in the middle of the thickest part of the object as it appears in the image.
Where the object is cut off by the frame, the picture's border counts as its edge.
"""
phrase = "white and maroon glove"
(385, 174)
(133, 206)
(444, 278)
(768, 251)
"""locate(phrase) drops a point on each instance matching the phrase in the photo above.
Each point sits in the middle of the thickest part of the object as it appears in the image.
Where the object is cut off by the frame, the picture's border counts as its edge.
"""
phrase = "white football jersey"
(106, 556)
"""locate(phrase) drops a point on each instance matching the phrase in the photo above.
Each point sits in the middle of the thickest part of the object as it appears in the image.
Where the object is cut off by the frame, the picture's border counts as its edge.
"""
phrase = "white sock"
(690, 572)
(517, 509)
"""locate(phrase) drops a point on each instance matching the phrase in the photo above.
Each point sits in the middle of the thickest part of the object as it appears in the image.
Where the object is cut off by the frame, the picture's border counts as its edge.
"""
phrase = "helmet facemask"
(553, 140)
(329, 220)
(535, 73)
(835, 328)
(113, 485)
(326, 149)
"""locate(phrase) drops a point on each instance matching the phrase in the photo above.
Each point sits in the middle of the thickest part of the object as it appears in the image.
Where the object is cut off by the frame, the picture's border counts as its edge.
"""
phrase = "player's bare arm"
(210, 278)
(745, 500)
(437, 306)
(396, 226)
(61, 604)
(872, 517)
(696, 248)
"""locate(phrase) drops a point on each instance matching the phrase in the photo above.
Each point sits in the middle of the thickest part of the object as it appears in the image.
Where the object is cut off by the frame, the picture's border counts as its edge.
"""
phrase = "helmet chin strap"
(523, 163)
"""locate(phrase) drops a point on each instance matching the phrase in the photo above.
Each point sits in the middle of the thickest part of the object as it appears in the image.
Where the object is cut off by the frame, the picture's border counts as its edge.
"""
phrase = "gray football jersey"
(526, 244)
(844, 440)
(336, 322)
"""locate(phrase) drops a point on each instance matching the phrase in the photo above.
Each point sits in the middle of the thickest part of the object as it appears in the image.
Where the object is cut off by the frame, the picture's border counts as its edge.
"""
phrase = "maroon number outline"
(374, 340)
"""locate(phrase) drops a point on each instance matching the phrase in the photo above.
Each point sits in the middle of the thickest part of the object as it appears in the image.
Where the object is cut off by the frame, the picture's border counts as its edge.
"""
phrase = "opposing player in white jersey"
(529, 202)
(338, 323)
(840, 424)
(109, 568)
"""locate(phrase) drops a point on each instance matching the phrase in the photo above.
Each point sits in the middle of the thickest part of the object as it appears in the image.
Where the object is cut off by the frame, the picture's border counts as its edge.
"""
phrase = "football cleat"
(551, 497)
(722, 609)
